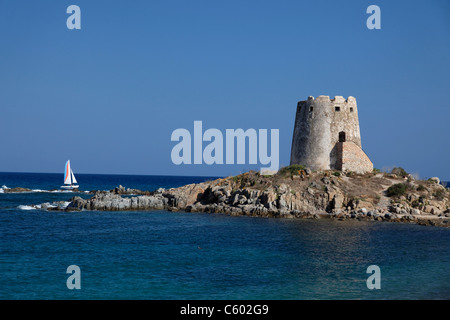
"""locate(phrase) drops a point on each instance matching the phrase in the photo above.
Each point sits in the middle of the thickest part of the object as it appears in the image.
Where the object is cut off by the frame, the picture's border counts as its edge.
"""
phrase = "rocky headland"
(15, 190)
(294, 192)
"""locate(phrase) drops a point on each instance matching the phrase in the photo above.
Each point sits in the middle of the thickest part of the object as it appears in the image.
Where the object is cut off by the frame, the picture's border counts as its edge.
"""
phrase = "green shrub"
(439, 194)
(337, 174)
(291, 170)
(375, 170)
(399, 172)
(235, 178)
(421, 188)
(396, 190)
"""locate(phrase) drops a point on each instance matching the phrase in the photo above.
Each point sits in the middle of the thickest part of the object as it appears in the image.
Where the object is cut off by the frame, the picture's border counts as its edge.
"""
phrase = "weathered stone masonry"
(327, 136)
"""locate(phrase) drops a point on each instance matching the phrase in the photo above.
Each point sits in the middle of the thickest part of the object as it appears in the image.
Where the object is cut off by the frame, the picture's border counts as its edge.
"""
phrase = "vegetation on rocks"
(396, 190)
(294, 192)
(399, 172)
(292, 170)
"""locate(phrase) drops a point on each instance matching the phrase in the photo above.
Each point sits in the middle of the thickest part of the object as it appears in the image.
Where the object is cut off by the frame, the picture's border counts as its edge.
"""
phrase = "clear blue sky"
(108, 96)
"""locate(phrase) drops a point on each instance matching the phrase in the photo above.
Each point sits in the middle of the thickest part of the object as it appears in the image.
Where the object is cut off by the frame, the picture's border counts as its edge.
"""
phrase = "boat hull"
(70, 187)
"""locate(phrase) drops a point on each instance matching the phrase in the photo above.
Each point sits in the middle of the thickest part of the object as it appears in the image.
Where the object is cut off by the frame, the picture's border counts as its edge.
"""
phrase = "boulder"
(389, 216)
(45, 206)
(282, 204)
(119, 190)
(18, 189)
(337, 201)
(435, 180)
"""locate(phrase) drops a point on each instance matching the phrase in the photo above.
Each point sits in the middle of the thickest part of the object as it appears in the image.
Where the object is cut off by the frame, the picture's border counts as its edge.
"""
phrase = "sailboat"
(69, 178)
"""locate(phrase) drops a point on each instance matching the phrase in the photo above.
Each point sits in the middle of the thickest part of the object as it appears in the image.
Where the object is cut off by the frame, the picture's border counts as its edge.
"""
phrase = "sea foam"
(25, 207)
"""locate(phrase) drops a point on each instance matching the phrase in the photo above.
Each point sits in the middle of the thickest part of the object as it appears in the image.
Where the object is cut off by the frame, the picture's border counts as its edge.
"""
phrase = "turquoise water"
(177, 255)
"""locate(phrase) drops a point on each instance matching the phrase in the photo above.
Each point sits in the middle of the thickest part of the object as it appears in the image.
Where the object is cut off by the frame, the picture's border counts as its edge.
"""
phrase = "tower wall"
(352, 158)
(319, 124)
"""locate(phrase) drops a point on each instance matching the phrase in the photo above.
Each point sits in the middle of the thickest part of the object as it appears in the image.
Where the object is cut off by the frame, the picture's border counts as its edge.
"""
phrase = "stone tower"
(327, 137)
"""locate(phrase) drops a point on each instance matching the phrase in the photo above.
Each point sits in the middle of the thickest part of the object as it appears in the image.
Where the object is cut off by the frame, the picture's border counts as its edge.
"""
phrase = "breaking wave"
(4, 188)
(53, 191)
(25, 207)
(45, 206)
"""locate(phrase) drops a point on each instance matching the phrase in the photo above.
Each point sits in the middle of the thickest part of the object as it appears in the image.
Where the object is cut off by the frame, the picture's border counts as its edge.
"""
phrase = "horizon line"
(160, 175)
(120, 174)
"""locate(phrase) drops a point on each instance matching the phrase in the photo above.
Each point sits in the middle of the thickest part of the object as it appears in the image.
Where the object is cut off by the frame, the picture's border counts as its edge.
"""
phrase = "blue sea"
(178, 255)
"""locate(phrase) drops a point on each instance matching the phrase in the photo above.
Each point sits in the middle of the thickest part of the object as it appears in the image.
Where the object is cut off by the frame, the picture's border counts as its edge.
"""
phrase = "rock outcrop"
(16, 190)
(323, 194)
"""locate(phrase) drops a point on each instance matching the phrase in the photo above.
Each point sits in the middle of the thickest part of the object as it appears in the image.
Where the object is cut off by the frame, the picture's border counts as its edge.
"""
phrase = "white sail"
(67, 175)
(69, 178)
(73, 176)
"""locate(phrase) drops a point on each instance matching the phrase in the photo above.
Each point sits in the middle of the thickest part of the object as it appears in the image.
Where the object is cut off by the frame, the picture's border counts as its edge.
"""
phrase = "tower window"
(337, 108)
(342, 136)
(311, 109)
(351, 109)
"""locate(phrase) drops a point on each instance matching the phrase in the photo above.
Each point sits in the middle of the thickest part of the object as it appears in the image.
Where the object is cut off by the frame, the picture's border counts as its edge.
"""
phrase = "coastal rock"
(119, 190)
(431, 209)
(318, 195)
(114, 202)
(16, 190)
(187, 195)
(77, 203)
(435, 180)
(46, 206)
(337, 201)
(282, 204)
